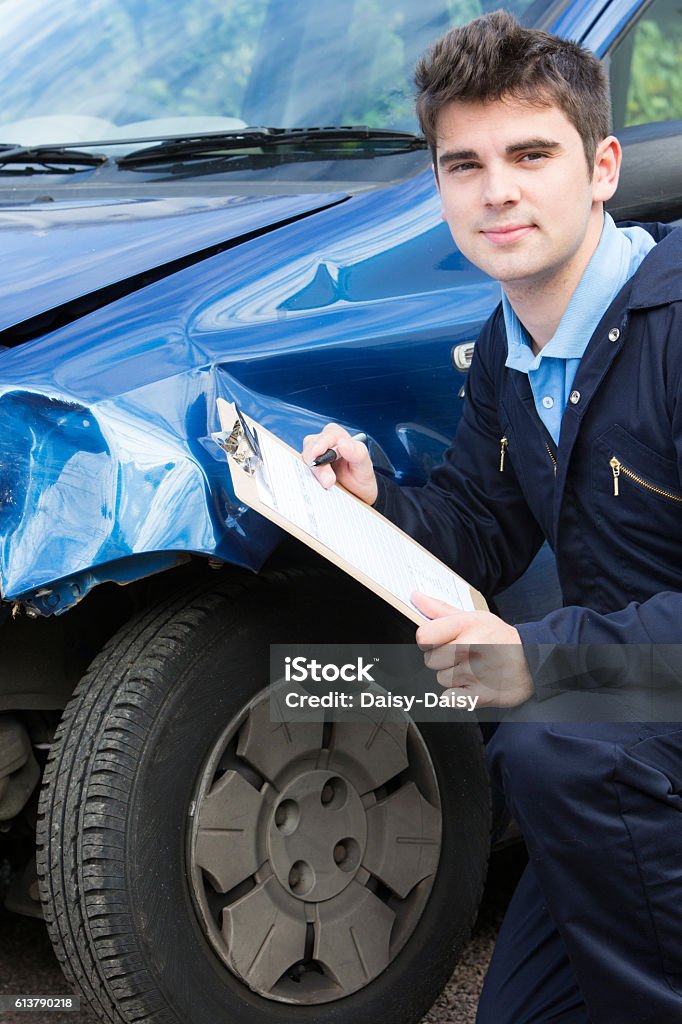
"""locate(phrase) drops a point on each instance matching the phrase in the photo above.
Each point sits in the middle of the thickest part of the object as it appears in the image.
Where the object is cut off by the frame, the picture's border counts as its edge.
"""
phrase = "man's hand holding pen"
(352, 467)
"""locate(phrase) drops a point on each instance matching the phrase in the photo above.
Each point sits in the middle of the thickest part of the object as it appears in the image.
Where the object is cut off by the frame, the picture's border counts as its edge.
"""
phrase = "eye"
(462, 168)
(533, 157)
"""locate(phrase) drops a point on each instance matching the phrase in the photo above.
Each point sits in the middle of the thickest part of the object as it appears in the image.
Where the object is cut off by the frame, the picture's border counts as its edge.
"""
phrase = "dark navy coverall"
(594, 931)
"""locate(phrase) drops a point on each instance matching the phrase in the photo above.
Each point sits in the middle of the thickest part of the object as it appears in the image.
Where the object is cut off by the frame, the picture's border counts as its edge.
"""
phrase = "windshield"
(81, 70)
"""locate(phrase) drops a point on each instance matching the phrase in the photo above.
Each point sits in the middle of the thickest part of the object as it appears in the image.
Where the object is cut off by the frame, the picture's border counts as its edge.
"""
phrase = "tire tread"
(81, 862)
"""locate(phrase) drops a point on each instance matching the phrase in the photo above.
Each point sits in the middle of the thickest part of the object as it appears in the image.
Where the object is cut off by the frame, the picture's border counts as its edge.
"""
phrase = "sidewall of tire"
(195, 692)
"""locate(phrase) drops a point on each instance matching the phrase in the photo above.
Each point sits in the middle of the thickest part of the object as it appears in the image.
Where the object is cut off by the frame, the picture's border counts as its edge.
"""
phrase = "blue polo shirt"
(551, 373)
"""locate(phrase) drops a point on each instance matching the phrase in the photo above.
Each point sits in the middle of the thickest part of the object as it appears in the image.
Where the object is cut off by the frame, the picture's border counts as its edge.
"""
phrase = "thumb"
(432, 607)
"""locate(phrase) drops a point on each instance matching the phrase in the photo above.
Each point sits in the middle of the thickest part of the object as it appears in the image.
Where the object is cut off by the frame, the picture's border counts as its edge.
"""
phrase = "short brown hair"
(493, 57)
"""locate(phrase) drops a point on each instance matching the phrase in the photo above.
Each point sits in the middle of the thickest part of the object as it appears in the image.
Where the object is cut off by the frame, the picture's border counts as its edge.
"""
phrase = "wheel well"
(44, 658)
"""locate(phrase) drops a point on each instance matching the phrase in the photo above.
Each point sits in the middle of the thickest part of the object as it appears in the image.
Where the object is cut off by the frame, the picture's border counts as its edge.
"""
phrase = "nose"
(499, 187)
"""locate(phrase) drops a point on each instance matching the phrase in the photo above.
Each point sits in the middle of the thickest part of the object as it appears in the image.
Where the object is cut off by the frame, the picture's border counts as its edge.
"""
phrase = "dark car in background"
(231, 198)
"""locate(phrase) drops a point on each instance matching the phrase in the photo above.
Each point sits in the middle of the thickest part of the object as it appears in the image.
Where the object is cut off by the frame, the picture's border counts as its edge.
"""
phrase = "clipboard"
(250, 449)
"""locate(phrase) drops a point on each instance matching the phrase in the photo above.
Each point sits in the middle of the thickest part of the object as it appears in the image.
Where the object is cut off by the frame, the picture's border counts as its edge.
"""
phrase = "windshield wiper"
(220, 144)
(52, 159)
(330, 142)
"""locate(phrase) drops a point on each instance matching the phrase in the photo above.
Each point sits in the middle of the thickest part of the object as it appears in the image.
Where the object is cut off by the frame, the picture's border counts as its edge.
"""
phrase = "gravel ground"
(28, 965)
(459, 999)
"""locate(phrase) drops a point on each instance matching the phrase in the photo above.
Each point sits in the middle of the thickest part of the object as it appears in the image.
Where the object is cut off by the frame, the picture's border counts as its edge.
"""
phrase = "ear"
(607, 161)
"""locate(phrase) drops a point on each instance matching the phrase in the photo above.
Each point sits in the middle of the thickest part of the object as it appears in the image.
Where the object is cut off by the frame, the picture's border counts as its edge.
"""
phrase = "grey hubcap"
(313, 848)
(316, 835)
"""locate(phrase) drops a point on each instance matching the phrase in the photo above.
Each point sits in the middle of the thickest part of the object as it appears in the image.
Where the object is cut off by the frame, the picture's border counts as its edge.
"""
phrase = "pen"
(331, 455)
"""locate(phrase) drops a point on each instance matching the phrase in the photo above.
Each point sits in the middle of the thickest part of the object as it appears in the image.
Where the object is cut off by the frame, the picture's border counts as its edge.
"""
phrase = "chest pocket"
(631, 474)
(637, 508)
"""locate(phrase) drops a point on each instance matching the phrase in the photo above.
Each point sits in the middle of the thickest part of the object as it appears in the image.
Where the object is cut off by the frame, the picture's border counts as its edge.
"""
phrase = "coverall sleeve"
(634, 650)
(658, 621)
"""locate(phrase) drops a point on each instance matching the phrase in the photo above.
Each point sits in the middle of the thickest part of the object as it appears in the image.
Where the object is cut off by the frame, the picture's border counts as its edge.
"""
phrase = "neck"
(540, 303)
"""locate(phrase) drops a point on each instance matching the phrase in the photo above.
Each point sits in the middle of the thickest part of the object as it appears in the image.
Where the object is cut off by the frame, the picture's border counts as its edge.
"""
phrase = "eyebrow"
(517, 147)
(452, 156)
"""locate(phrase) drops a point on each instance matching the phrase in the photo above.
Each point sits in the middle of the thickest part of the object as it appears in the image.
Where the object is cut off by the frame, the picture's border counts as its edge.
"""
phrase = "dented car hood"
(300, 309)
(56, 253)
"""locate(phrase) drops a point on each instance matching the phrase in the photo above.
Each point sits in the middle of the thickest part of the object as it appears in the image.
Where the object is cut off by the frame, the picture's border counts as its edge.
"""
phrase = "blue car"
(204, 199)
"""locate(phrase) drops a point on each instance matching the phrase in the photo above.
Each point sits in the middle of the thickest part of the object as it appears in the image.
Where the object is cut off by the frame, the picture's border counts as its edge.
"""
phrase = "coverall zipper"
(618, 470)
(549, 452)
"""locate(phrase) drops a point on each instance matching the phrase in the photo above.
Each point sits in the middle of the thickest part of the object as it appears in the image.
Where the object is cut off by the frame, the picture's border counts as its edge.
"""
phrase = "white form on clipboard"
(357, 538)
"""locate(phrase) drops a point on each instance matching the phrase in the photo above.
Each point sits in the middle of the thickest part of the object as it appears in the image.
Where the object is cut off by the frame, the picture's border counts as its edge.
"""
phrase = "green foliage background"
(655, 86)
(132, 60)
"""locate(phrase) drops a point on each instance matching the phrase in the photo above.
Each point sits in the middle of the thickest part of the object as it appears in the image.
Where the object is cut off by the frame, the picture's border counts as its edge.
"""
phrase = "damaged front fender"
(104, 492)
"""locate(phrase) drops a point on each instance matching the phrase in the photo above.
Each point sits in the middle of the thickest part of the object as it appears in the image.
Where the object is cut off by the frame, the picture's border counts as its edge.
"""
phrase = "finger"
(447, 655)
(325, 474)
(452, 679)
(432, 607)
(447, 678)
(442, 631)
(441, 657)
(351, 450)
(315, 444)
(463, 656)
(480, 698)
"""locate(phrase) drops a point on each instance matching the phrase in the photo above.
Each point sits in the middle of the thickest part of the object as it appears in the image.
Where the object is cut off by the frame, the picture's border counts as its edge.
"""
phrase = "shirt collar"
(617, 255)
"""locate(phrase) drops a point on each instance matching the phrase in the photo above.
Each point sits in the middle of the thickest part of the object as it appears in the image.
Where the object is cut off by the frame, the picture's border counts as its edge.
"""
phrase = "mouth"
(507, 234)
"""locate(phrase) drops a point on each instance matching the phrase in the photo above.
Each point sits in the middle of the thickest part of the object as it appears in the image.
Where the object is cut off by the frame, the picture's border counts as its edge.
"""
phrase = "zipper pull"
(504, 444)
(615, 467)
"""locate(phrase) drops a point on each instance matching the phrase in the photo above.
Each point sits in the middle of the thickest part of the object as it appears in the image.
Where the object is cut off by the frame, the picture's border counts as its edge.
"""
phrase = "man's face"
(516, 191)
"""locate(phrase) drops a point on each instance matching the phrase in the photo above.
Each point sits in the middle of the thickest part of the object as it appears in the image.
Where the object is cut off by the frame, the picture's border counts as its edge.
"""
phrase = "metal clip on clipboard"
(241, 444)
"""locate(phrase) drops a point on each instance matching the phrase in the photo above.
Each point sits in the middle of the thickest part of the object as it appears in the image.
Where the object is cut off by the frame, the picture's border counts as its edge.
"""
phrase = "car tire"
(123, 875)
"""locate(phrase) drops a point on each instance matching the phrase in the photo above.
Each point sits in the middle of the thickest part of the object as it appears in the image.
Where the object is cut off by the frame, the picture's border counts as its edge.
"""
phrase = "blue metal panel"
(596, 24)
(608, 27)
(59, 597)
(60, 252)
(101, 421)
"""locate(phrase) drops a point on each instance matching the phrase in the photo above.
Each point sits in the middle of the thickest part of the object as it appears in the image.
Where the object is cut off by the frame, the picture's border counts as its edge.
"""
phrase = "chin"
(522, 271)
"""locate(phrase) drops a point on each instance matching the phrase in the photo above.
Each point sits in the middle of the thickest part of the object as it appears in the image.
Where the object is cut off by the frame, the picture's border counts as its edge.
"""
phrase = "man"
(571, 431)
